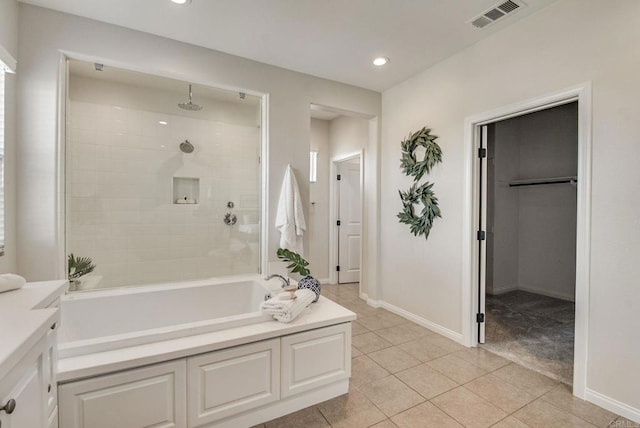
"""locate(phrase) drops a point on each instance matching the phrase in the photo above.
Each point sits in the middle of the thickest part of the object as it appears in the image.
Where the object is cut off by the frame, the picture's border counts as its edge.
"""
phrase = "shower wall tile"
(120, 212)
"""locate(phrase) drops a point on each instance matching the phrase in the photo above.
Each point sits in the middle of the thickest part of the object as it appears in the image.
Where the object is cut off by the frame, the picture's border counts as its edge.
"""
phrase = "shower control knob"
(9, 406)
(230, 219)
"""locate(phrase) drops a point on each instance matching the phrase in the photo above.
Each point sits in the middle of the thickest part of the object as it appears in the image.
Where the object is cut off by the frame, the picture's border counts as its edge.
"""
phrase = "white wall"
(9, 42)
(43, 33)
(318, 226)
(570, 42)
(348, 135)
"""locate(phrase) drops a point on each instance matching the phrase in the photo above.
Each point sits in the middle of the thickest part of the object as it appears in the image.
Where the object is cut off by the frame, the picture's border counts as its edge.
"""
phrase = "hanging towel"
(10, 281)
(290, 217)
(288, 310)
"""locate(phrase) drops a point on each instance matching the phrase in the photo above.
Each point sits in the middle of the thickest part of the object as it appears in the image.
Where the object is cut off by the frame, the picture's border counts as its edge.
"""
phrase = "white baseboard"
(613, 405)
(457, 337)
(547, 293)
(499, 291)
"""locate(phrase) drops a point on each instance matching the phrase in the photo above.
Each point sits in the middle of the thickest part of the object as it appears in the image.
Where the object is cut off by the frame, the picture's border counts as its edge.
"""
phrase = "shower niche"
(186, 190)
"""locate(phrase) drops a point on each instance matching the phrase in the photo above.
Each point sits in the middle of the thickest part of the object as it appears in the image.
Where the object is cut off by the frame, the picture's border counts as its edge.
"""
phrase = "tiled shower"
(145, 211)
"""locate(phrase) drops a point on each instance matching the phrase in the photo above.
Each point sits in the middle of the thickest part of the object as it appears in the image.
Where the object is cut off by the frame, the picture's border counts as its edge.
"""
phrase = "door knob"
(9, 407)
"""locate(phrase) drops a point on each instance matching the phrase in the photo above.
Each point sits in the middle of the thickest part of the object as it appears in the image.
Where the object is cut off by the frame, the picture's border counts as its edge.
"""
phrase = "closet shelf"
(540, 181)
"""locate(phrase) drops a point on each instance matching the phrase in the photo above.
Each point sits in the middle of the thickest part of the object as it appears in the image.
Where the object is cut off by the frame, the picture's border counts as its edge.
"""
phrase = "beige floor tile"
(424, 415)
(457, 369)
(380, 321)
(541, 414)
(621, 422)
(500, 393)
(444, 343)
(364, 370)
(526, 379)
(357, 328)
(402, 333)
(562, 398)
(355, 352)
(385, 424)
(423, 349)
(258, 426)
(427, 381)
(391, 395)
(394, 359)
(352, 410)
(484, 359)
(369, 342)
(510, 422)
(308, 418)
(468, 408)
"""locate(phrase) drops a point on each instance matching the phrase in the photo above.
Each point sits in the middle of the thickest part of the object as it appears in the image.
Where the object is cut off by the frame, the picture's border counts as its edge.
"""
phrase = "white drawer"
(315, 358)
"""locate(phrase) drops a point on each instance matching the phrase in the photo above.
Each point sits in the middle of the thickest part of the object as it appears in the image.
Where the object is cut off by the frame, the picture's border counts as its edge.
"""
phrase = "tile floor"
(404, 375)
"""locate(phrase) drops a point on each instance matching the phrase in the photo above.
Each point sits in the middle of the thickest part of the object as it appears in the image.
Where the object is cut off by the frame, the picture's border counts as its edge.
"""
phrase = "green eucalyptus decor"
(419, 223)
(79, 266)
(298, 264)
(409, 163)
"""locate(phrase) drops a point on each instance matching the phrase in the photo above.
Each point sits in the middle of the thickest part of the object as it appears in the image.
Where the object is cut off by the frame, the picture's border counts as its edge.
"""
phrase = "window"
(313, 167)
(3, 69)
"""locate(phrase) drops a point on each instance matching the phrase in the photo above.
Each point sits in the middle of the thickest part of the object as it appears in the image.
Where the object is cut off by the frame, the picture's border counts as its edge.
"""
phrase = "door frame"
(470, 264)
(334, 204)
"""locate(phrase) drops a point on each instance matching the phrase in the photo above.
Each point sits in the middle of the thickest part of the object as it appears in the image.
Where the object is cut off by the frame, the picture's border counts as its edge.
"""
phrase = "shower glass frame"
(61, 201)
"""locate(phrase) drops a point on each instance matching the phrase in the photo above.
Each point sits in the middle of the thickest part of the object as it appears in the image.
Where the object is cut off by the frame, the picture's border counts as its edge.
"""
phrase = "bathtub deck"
(321, 314)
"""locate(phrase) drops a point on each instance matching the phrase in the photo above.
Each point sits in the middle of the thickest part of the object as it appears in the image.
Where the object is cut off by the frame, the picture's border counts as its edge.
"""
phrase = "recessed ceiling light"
(162, 122)
(380, 61)
(184, 2)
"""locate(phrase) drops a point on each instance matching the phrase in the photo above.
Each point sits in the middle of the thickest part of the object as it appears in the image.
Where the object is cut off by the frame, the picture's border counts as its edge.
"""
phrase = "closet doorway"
(527, 238)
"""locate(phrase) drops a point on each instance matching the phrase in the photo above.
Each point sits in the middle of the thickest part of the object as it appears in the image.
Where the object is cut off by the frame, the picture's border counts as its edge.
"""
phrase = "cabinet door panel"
(152, 396)
(224, 383)
(29, 400)
(315, 358)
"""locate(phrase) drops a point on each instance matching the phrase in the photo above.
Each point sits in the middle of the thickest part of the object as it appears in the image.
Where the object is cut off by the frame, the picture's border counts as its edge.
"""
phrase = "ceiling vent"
(496, 12)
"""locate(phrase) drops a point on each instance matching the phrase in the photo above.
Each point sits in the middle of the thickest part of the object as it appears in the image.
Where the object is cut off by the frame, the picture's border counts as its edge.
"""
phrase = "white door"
(482, 234)
(350, 222)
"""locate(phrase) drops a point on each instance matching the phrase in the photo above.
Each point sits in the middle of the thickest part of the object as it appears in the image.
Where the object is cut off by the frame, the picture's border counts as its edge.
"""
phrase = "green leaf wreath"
(419, 224)
(433, 153)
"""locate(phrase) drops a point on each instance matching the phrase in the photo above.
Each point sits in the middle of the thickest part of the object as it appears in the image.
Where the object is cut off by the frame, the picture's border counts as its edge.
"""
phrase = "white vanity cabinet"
(23, 392)
(233, 387)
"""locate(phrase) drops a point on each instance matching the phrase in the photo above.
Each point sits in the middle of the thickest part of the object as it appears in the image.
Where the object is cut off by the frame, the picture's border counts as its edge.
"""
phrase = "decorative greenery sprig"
(410, 165)
(80, 266)
(298, 264)
(419, 225)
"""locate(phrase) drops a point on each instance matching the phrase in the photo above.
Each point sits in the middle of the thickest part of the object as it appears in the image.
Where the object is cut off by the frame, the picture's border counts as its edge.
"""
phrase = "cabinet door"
(224, 383)
(315, 358)
(29, 398)
(153, 396)
(49, 372)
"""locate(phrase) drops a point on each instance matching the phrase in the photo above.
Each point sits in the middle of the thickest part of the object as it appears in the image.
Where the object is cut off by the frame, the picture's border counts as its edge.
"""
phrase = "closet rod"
(541, 181)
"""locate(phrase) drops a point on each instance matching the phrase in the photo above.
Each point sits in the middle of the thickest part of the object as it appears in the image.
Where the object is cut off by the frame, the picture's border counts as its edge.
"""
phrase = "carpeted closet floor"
(532, 330)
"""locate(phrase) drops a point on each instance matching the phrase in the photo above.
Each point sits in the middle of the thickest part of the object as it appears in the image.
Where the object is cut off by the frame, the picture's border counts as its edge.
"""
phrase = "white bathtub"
(119, 318)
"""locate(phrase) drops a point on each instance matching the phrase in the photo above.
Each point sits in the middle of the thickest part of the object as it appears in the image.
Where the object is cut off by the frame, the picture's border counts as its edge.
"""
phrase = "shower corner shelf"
(186, 189)
(541, 181)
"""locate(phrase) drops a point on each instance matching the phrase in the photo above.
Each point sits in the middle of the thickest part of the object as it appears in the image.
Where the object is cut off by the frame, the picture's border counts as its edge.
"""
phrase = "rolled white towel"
(11, 281)
(288, 310)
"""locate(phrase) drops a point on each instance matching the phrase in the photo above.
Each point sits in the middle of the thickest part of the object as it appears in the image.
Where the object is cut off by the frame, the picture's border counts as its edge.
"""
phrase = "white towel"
(288, 310)
(290, 217)
(10, 281)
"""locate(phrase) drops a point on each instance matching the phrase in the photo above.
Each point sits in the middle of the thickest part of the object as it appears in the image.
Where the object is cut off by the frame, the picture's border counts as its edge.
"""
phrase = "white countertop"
(321, 314)
(24, 319)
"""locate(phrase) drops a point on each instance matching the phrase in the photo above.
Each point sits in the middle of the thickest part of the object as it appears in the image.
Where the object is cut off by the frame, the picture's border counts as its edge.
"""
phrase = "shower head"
(186, 147)
(189, 105)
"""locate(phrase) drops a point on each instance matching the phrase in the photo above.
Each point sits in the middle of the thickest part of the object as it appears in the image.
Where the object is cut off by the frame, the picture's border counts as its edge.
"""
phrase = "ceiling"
(333, 39)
